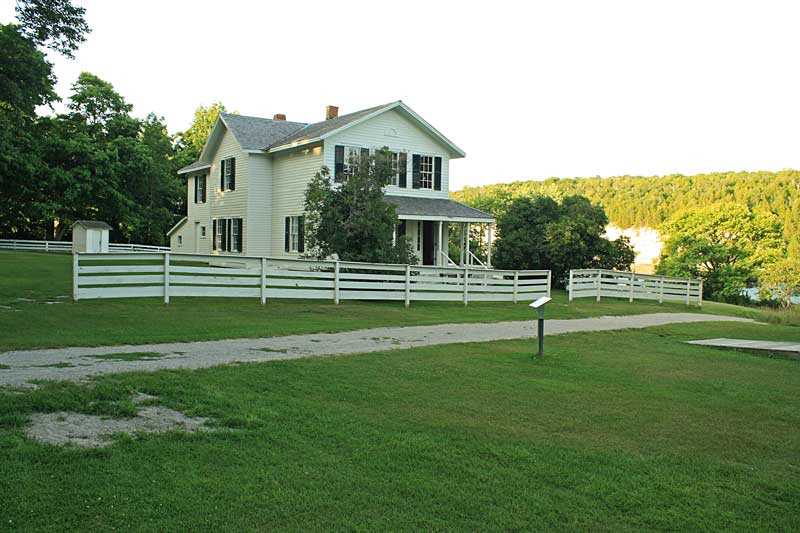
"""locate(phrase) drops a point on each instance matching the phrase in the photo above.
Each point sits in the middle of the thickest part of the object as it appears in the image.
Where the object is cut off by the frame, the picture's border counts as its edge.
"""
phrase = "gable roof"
(91, 224)
(254, 133)
(320, 130)
(177, 226)
(263, 134)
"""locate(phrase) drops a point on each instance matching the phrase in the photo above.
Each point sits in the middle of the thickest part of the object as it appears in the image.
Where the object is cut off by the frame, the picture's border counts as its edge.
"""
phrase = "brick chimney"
(279, 116)
(331, 111)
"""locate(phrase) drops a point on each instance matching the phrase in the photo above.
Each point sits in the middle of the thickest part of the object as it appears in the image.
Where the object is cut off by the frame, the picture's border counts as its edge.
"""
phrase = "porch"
(429, 222)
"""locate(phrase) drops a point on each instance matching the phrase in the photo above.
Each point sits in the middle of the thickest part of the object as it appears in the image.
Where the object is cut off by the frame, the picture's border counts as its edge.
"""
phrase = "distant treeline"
(650, 201)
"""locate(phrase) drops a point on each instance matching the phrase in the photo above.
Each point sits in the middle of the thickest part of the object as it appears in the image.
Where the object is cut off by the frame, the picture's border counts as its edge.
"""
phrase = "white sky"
(529, 90)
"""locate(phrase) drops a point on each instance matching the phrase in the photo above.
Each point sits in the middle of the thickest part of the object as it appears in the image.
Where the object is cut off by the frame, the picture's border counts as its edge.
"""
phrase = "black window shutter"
(203, 199)
(239, 239)
(301, 237)
(222, 175)
(415, 179)
(286, 233)
(214, 234)
(196, 186)
(223, 228)
(437, 173)
(233, 172)
(402, 167)
(338, 169)
(401, 228)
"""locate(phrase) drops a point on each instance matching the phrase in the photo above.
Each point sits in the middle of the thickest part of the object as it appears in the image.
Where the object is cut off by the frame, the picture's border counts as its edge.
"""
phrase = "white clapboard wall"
(169, 275)
(599, 283)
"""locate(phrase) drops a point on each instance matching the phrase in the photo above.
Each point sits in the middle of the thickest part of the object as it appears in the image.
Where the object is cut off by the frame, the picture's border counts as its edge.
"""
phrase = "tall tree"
(352, 220)
(55, 24)
(780, 282)
(725, 244)
(540, 233)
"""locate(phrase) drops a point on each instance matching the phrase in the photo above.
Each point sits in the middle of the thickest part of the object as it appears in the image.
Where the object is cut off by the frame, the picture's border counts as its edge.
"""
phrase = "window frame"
(294, 234)
(351, 153)
(430, 173)
(200, 191)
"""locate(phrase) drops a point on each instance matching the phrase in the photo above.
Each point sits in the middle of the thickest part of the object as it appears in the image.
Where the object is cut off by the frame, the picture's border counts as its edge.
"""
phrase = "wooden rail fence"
(615, 284)
(66, 246)
(167, 275)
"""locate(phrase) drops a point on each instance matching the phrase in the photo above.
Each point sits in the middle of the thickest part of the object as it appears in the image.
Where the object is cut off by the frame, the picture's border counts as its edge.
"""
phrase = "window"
(352, 156)
(294, 238)
(227, 174)
(200, 189)
(180, 240)
(346, 161)
(202, 232)
(228, 235)
(398, 169)
(426, 172)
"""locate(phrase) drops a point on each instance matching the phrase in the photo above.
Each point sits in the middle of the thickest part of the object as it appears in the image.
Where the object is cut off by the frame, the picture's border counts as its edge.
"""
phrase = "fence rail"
(166, 275)
(66, 246)
(615, 284)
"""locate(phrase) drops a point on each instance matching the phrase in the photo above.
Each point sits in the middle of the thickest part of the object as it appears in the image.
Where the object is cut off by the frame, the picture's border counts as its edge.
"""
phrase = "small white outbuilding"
(90, 237)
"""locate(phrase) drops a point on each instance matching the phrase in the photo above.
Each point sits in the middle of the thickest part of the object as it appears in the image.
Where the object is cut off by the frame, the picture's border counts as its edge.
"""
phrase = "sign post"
(539, 304)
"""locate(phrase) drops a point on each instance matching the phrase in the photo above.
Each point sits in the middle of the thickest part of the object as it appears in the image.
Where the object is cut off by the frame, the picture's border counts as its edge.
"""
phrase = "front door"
(428, 256)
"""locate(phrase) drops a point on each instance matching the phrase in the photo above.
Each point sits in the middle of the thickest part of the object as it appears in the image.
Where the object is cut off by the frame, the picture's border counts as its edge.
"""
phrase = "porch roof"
(445, 209)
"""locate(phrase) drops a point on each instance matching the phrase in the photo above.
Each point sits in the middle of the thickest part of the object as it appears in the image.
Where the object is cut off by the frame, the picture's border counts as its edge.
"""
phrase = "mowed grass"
(625, 430)
(32, 282)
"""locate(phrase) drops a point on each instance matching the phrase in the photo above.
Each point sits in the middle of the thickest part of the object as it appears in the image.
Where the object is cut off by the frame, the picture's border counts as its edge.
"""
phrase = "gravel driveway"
(76, 364)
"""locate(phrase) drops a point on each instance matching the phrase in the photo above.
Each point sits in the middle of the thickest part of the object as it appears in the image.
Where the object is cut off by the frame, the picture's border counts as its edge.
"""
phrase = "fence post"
(46, 246)
(466, 286)
(336, 283)
(75, 265)
(688, 289)
(661, 290)
(549, 282)
(569, 289)
(599, 279)
(263, 280)
(516, 280)
(630, 293)
(700, 295)
(166, 277)
(408, 285)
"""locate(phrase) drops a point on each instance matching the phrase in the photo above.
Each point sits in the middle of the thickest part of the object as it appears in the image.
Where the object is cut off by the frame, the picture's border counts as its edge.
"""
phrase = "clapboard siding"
(292, 171)
(259, 204)
(393, 130)
(229, 204)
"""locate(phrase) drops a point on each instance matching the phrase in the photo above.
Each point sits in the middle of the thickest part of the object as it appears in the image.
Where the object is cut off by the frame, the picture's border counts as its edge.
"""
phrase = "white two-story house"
(246, 193)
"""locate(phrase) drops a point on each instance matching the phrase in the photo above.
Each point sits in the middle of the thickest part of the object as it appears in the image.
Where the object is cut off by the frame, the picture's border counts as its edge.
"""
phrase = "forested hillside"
(650, 201)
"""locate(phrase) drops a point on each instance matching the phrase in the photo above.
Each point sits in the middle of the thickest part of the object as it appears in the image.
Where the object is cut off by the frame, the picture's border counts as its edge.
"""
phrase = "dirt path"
(76, 364)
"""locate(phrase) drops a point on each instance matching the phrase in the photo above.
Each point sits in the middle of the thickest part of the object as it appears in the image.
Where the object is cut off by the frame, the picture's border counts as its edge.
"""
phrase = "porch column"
(467, 258)
(439, 258)
(489, 245)
(463, 237)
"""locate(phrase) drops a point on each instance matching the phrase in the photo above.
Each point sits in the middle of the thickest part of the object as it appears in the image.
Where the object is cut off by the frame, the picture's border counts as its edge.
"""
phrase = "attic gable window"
(227, 174)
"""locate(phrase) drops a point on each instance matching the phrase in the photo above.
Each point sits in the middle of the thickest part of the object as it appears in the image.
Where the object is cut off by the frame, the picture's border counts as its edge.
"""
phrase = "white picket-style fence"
(66, 246)
(166, 275)
(598, 283)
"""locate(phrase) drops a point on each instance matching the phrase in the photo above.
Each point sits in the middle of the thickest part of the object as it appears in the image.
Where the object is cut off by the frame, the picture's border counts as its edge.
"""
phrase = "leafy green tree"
(781, 282)
(55, 24)
(352, 220)
(540, 233)
(26, 78)
(725, 244)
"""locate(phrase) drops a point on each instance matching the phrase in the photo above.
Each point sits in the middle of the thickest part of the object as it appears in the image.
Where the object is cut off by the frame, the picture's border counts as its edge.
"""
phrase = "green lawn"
(625, 430)
(30, 280)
